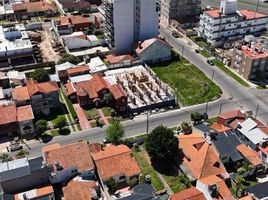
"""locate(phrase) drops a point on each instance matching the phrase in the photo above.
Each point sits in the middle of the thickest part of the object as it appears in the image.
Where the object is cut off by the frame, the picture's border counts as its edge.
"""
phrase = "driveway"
(84, 124)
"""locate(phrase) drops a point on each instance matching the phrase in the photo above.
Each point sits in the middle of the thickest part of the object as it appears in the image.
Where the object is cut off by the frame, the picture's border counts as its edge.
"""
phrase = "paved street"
(242, 4)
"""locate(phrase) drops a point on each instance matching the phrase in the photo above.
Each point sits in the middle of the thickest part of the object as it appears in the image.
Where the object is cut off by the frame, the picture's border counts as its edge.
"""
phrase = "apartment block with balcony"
(129, 21)
(251, 62)
(227, 23)
(178, 9)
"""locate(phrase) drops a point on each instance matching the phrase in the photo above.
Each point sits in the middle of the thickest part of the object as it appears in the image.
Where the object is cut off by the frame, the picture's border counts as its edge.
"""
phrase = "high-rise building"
(129, 21)
(218, 26)
(178, 9)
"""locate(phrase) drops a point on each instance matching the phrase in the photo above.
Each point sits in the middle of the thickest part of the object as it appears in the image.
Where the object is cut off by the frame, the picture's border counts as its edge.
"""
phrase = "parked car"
(105, 140)
(209, 61)
(197, 50)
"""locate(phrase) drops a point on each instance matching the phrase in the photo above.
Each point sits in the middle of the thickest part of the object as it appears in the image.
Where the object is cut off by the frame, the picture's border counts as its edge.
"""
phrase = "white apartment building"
(129, 21)
(227, 23)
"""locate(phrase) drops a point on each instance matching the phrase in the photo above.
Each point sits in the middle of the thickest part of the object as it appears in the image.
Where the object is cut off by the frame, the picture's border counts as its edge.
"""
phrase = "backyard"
(190, 85)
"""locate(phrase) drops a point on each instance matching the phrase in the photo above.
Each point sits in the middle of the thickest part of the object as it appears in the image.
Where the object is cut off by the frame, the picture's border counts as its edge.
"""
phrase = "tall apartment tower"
(129, 21)
(178, 9)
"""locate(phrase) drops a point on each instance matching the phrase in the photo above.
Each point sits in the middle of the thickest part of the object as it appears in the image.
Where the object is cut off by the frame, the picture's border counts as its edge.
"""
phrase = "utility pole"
(182, 50)
(220, 108)
(207, 108)
(257, 109)
(212, 77)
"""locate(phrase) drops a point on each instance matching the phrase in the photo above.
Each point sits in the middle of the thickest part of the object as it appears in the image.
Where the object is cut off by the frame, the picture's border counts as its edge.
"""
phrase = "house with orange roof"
(188, 194)
(214, 188)
(16, 120)
(153, 50)
(218, 26)
(116, 162)
(41, 96)
(199, 158)
(249, 155)
(45, 192)
(230, 119)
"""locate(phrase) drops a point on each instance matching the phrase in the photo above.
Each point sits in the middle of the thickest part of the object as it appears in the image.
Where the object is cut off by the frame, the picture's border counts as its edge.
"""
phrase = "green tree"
(69, 58)
(60, 122)
(41, 126)
(40, 75)
(196, 117)
(5, 157)
(115, 131)
(22, 153)
(186, 128)
(108, 99)
(111, 184)
(161, 143)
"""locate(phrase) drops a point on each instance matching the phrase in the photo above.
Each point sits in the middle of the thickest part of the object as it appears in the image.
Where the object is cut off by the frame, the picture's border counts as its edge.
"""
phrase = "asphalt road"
(242, 4)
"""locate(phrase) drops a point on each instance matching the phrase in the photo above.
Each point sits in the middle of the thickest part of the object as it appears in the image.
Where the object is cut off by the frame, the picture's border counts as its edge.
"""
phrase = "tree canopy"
(186, 127)
(69, 58)
(41, 126)
(115, 131)
(161, 143)
(60, 122)
(40, 75)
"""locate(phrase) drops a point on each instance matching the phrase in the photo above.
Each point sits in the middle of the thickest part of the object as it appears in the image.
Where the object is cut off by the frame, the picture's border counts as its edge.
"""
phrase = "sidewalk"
(104, 119)
(84, 123)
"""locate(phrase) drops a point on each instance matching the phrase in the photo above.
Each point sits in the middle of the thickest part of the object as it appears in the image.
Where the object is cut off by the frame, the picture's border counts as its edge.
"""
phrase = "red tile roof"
(253, 53)
(116, 160)
(233, 114)
(145, 44)
(32, 87)
(247, 13)
(44, 190)
(79, 69)
(25, 113)
(219, 127)
(249, 154)
(117, 59)
(188, 194)
(81, 36)
(69, 88)
(200, 157)
(38, 6)
(78, 190)
(72, 19)
(76, 154)
(117, 91)
(223, 191)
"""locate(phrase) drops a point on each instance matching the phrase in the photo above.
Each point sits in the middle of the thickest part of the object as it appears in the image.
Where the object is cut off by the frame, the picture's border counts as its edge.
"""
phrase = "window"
(122, 177)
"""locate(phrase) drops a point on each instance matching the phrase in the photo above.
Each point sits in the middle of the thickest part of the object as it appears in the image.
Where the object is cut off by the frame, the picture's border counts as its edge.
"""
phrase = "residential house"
(41, 96)
(114, 59)
(91, 92)
(249, 155)
(251, 62)
(116, 162)
(153, 50)
(218, 26)
(231, 118)
(78, 70)
(76, 155)
(225, 144)
(199, 158)
(258, 191)
(27, 10)
(140, 191)
(61, 70)
(251, 135)
(82, 6)
(23, 174)
(214, 188)
(68, 24)
(188, 194)
(16, 120)
(45, 192)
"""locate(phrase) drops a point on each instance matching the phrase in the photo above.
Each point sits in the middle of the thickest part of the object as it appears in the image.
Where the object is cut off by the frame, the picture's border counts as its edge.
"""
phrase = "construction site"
(144, 89)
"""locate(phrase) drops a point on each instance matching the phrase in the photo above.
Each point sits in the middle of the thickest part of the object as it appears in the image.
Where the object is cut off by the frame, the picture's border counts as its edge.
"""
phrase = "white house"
(154, 50)
(227, 23)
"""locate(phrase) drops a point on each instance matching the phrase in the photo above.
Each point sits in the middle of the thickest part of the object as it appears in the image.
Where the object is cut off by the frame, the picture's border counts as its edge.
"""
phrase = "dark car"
(175, 34)
(209, 61)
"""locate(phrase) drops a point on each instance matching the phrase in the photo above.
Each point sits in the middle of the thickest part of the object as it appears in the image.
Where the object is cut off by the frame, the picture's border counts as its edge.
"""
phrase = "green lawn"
(205, 53)
(193, 85)
(177, 183)
(94, 124)
(106, 111)
(229, 72)
(212, 120)
(146, 168)
(91, 113)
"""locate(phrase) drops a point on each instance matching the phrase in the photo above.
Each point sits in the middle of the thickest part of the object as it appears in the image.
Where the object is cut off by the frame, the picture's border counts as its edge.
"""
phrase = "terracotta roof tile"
(70, 89)
(117, 91)
(44, 190)
(78, 190)
(117, 59)
(145, 44)
(223, 191)
(115, 160)
(189, 194)
(249, 154)
(247, 13)
(200, 157)
(73, 19)
(94, 147)
(79, 69)
(20, 93)
(233, 114)
(8, 114)
(76, 154)
(219, 127)
(38, 6)
(25, 113)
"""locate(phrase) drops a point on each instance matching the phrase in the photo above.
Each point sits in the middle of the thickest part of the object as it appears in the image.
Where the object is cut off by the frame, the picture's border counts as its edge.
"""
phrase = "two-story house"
(41, 96)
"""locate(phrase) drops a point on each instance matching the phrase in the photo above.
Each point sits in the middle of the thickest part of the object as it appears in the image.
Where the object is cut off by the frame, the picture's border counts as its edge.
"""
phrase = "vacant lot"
(189, 83)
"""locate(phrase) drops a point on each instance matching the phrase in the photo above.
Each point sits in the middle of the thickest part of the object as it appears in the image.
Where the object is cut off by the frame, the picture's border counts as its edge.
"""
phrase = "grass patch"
(205, 53)
(94, 123)
(212, 120)
(54, 132)
(229, 72)
(177, 183)
(100, 37)
(69, 105)
(189, 83)
(106, 111)
(91, 113)
(146, 168)
(57, 117)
